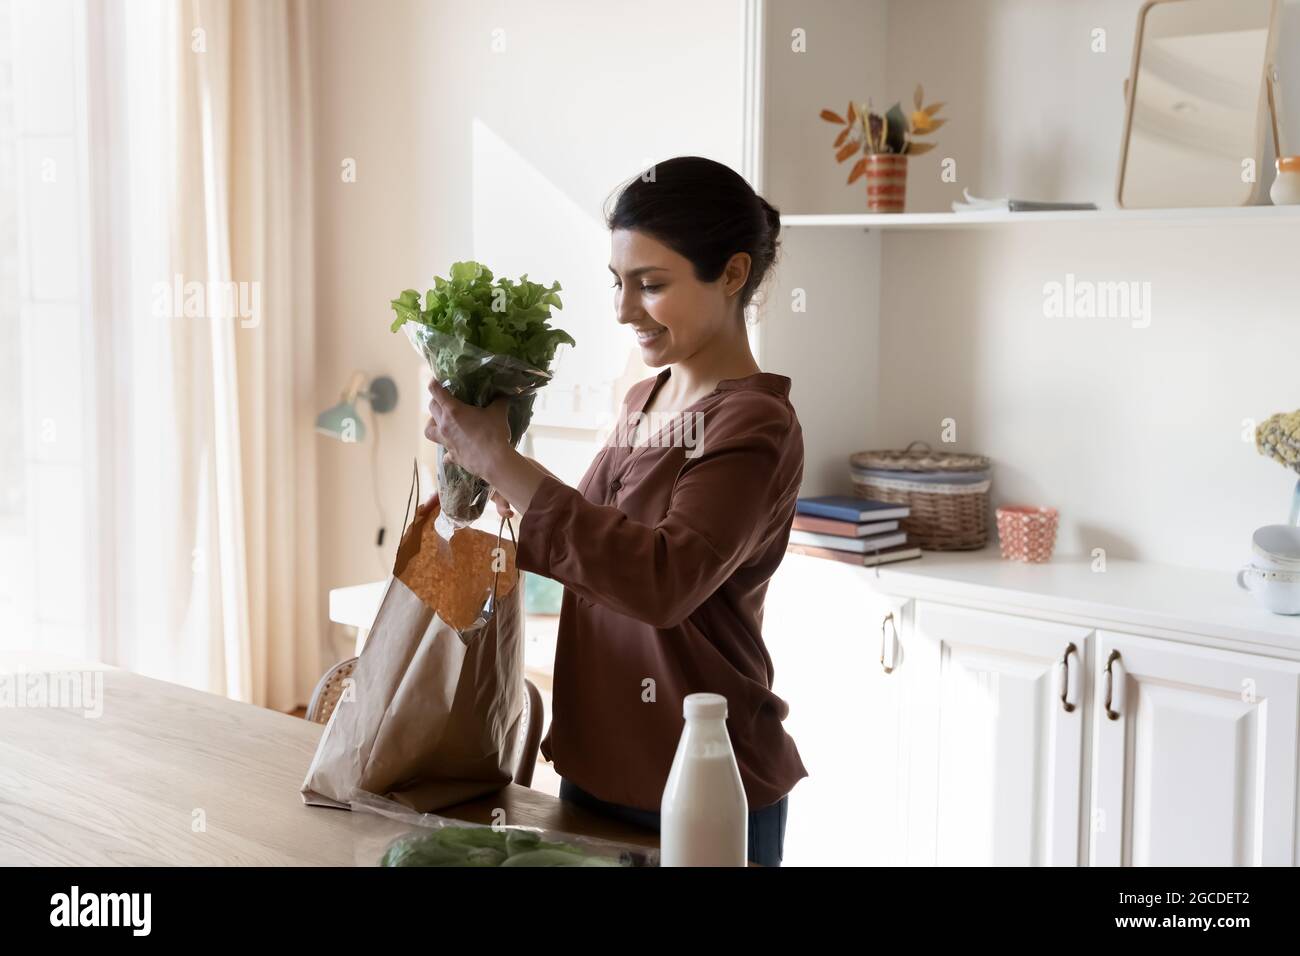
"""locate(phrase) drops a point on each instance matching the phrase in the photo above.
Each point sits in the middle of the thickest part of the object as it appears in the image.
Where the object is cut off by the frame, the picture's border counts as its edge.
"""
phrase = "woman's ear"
(736, 273)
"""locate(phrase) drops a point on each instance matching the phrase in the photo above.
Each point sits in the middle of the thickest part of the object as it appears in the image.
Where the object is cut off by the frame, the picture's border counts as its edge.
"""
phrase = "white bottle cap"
(707, 706)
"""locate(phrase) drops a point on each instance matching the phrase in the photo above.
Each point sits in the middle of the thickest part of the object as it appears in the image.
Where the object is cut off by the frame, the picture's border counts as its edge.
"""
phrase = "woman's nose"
(627, 308)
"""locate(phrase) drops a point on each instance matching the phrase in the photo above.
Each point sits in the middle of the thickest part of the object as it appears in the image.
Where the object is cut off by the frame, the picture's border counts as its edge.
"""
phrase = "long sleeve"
(721, 503)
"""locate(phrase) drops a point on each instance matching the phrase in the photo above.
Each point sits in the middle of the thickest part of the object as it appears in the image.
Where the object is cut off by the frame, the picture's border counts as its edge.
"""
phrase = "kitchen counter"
(1198, 601)
(167, 775)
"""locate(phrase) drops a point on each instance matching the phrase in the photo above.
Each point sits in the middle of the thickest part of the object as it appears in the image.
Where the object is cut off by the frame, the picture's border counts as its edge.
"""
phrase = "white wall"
(819, 55)
(820, 323)
(463, 152)
(1135, 434)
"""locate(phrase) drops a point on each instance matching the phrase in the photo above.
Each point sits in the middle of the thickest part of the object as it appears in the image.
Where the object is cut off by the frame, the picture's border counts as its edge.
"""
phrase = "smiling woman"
(691, 244)
(665, 548)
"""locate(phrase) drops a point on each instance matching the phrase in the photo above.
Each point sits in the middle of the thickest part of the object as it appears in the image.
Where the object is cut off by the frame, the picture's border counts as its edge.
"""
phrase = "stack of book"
(853, 530)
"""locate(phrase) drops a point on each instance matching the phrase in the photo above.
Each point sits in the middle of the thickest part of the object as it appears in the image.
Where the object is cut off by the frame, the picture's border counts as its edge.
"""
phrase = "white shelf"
(1191, 601)
(912, 221)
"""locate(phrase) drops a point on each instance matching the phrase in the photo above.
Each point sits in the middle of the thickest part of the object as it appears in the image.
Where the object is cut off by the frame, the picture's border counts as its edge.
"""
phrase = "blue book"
(849, 508)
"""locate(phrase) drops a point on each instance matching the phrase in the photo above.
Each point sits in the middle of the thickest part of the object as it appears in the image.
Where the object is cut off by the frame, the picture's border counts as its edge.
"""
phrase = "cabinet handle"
(1110, 684)
(889, 620)
(1065, 678)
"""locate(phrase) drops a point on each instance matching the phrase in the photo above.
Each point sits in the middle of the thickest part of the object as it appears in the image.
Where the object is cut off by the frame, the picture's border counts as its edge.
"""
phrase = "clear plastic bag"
(411, 838)
(476, 377)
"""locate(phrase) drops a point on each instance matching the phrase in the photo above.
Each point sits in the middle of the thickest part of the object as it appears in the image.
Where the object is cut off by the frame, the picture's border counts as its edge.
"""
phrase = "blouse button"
(616, 484)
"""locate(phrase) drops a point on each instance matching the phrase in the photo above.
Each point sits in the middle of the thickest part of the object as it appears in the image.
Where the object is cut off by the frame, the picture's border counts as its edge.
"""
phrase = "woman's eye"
(650, 288)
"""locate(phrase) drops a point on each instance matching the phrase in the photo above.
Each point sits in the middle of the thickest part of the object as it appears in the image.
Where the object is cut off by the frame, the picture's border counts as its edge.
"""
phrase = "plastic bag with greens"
(411, 838)
(483, 339)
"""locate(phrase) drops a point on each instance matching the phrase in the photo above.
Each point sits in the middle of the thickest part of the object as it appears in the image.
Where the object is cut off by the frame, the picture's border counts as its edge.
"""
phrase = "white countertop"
(356, 606)
(1193, 600)
(1190, 600)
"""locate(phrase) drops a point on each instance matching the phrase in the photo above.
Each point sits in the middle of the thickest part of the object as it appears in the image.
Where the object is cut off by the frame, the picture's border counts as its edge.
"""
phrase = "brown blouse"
(665, 551)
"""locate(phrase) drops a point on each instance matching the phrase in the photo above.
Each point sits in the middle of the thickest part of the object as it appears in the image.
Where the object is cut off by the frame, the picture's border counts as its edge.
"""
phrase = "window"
(44, 538)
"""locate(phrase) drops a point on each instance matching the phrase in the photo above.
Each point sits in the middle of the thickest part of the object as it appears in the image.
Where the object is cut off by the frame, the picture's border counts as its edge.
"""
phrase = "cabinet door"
(1194, 756)
(823, 627)
(997, 748)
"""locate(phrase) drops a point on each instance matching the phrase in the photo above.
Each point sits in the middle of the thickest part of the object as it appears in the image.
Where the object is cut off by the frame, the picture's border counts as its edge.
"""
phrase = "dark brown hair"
(703, 211)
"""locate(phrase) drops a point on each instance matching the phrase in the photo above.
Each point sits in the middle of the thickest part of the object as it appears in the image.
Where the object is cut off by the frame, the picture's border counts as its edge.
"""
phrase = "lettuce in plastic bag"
(483, 338)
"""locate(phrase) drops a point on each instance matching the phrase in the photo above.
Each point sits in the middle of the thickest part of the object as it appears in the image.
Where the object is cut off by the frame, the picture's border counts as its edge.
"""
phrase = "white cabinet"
(997, 738)
(823, 627)
(1194, 756)
(1002, 733)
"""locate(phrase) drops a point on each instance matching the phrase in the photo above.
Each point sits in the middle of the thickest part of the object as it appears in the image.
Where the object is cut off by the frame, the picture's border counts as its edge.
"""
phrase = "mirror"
(1197, 103)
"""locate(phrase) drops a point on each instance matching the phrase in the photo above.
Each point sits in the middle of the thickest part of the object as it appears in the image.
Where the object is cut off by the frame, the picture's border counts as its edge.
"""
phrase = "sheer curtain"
(202, 260)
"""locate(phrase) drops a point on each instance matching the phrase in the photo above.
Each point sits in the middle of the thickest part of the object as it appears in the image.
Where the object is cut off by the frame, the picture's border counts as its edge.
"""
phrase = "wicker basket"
(944, 517)
(918, 457)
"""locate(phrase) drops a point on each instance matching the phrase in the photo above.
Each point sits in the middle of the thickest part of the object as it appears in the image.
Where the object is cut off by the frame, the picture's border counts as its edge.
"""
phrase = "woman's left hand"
(473, 436)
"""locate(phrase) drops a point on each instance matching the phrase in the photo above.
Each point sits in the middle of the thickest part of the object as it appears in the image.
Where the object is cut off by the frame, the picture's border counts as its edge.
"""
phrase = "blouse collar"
(769, 381)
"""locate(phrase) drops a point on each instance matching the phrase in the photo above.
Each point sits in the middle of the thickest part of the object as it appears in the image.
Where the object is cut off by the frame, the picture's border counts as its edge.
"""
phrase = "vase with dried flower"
(883, 142)
(1278, 437)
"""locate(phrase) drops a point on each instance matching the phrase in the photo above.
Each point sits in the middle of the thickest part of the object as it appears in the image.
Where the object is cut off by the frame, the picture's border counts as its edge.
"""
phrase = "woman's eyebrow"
(640, 270)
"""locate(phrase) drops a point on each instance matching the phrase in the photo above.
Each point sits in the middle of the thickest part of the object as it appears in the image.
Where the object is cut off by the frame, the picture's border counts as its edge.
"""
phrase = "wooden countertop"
(167, 775)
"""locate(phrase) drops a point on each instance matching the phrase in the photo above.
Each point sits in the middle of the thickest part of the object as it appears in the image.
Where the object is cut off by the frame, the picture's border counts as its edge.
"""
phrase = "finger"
(439, 393)
(433, 433)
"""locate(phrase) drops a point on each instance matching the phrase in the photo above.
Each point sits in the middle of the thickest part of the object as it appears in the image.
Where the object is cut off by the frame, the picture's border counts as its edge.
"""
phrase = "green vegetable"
(485, 856)
(424, 850)
(521, 841)
(483, 338)
(502, 317)
(473, 837)
(485, 846)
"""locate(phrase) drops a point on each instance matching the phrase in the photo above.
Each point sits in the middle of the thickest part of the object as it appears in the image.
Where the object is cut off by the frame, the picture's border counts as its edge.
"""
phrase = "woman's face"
(673, 314)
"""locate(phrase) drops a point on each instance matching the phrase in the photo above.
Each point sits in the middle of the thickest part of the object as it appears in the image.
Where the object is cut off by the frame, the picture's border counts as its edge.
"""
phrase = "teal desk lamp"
(342, 420)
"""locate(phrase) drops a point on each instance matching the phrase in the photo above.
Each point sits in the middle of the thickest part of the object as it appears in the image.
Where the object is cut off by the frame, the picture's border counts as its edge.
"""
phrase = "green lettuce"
(500, 316)
(483, 339)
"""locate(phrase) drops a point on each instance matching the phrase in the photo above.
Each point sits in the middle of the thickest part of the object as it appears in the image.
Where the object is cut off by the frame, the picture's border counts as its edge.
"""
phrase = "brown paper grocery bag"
(433, 715)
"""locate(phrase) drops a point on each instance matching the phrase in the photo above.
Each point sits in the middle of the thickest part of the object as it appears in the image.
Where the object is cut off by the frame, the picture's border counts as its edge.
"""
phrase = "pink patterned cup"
(1027, 534)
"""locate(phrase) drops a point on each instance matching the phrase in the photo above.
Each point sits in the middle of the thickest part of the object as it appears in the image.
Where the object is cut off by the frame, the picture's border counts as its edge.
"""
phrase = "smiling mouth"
(649, 336)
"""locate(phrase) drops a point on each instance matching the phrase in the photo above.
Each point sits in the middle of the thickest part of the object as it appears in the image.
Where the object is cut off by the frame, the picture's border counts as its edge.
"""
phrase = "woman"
(666, 547)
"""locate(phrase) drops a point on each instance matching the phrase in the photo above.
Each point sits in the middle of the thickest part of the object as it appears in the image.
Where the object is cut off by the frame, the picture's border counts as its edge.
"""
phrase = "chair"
(328, 691)
(330, 688)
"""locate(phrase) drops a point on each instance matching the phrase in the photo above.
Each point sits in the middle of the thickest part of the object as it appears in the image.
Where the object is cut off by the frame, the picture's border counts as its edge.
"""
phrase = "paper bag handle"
(492, 607)
(412, 495)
